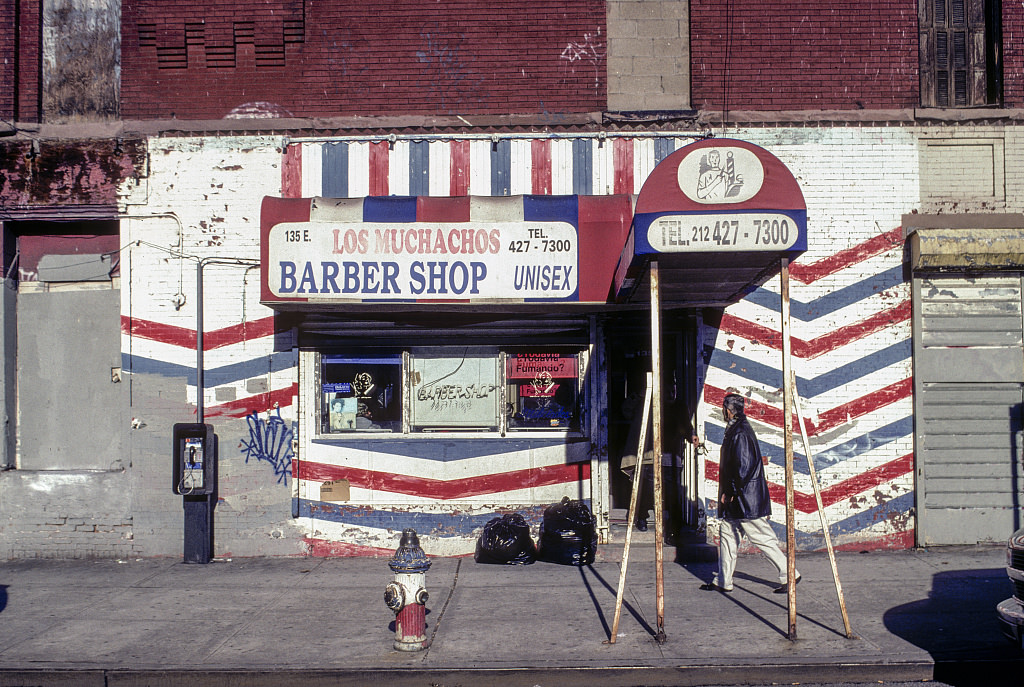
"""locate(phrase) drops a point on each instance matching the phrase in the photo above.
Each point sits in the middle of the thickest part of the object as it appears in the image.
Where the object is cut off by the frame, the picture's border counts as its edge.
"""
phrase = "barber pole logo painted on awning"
(727, 174)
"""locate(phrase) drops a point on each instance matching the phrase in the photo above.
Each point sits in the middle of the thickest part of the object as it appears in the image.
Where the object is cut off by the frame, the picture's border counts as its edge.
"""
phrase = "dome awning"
(718, 215)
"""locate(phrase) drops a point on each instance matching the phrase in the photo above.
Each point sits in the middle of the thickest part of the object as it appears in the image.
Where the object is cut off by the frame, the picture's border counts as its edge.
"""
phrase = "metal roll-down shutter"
(968, 383)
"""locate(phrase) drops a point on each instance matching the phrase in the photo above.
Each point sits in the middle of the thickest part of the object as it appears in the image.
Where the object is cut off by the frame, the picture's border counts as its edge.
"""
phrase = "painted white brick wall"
(202, 199)
(857, 184)
(214, 187)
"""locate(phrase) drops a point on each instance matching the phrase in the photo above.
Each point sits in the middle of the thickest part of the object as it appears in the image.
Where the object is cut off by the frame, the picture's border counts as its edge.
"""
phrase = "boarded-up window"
(960, 52)
(967, 171)
(968, 386)
(81, 63)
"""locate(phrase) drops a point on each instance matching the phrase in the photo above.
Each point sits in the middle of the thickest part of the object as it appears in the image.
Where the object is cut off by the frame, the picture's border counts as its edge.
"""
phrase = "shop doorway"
(628, 343)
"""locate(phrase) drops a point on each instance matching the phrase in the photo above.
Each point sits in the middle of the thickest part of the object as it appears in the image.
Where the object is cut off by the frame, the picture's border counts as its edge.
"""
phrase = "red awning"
(517, 253)
(717, 215)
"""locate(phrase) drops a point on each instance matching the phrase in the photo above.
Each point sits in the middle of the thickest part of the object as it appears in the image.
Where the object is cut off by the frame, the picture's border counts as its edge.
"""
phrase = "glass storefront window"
(361, 393)
(542, 390)
(450, 389)
(454, 389)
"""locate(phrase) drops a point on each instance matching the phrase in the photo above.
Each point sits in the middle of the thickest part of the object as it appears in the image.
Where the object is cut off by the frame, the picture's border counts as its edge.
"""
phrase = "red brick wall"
(207, 58)
(1013, 55)
(7, 72)
(804, 54)
(22, 76)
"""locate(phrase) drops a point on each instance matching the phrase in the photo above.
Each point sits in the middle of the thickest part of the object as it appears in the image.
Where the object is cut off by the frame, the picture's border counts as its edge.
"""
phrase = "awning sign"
(722, 174)
(746, 231)
(423, 260)
(333, 254)
(717, 214)
(720, 196)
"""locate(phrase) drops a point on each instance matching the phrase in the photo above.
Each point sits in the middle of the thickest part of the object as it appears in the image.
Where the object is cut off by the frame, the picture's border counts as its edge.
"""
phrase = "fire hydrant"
(407, 595)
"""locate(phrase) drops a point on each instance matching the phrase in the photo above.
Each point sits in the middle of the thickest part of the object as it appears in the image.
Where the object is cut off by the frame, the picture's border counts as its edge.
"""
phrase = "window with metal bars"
(960, 44)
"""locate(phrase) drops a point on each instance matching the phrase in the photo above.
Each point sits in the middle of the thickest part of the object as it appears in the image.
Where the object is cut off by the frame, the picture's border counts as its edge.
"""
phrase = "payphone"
(195, 459)
(195, 480)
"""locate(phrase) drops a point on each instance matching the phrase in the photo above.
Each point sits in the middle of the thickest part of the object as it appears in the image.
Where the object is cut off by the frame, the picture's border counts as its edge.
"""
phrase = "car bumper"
(1011, 620)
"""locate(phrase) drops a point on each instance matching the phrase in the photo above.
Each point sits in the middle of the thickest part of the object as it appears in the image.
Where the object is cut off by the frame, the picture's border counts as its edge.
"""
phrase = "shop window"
(960, 52)
(449, 389)
(361, 393)
(542, 390)
(454, 390)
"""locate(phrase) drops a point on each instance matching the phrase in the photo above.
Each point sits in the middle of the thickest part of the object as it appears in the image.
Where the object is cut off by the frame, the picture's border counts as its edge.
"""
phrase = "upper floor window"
(961, 52)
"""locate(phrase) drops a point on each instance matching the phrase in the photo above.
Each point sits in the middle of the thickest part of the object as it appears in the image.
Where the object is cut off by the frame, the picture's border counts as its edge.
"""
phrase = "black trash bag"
(568, 534)
(506, 541)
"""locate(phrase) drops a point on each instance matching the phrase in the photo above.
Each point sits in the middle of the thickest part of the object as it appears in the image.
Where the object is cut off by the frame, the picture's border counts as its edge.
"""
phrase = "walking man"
(743, 501)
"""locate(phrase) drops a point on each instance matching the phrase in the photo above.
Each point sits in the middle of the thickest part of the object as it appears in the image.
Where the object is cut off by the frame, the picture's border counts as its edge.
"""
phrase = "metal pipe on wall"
(199, 343)
(200, 381)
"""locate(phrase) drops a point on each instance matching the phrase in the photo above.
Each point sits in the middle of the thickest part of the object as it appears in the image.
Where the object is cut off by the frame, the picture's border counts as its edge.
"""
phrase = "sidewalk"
(916, 615)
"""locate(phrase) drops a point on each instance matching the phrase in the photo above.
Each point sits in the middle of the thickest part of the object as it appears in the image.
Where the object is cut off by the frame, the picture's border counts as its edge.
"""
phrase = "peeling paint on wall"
(67, 172)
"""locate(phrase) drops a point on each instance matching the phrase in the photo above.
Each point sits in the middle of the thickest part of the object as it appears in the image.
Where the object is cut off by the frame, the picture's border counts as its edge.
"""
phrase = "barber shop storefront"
(464, 357)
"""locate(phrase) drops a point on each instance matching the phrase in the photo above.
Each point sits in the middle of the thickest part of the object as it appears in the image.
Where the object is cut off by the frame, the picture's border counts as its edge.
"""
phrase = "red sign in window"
(538, 390)
(532, 366)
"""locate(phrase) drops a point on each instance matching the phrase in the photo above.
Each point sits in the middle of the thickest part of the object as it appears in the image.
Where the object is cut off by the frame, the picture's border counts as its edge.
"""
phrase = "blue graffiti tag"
(270, 440)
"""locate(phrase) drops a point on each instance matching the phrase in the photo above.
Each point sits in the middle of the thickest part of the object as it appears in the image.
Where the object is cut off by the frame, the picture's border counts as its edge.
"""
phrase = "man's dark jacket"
(741, 474)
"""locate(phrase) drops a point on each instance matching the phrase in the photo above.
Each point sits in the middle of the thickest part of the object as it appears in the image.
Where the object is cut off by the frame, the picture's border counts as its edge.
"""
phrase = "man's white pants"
(760, 534)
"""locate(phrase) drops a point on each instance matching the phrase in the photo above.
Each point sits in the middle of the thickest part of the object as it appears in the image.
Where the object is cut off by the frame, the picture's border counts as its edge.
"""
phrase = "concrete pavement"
(916, 615)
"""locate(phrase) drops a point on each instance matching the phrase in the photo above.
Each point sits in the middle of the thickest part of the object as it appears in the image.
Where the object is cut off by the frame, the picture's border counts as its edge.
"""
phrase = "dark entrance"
(628, 342)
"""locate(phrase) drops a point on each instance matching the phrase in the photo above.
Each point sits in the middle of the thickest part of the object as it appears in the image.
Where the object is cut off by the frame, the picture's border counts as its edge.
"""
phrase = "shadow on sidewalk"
(605, 623)
(957, 625)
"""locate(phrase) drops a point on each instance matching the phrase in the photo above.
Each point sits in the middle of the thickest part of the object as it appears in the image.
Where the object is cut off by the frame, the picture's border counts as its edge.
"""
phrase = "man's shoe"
(712, 587)
(641, 525)
(781, 589)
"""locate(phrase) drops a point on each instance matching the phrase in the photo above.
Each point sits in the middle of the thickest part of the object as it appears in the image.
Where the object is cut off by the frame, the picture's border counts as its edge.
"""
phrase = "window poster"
(344, 411)
(532, 366)
(361, 393)
(542, 390)
(454, 391)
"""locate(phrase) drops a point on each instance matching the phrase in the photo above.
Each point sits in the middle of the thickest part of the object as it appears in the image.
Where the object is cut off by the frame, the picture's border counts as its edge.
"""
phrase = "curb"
(680, 676)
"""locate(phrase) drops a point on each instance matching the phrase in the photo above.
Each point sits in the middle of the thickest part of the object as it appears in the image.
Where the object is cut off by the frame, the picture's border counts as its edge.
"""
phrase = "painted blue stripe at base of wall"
(897, 511)
(444, 451)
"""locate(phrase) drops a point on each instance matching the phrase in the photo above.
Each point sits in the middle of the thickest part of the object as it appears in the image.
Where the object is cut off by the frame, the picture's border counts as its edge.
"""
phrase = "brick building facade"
(153, 181)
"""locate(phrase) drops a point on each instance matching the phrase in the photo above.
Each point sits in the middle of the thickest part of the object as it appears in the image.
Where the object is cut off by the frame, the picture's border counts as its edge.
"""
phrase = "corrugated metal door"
(968, 386)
